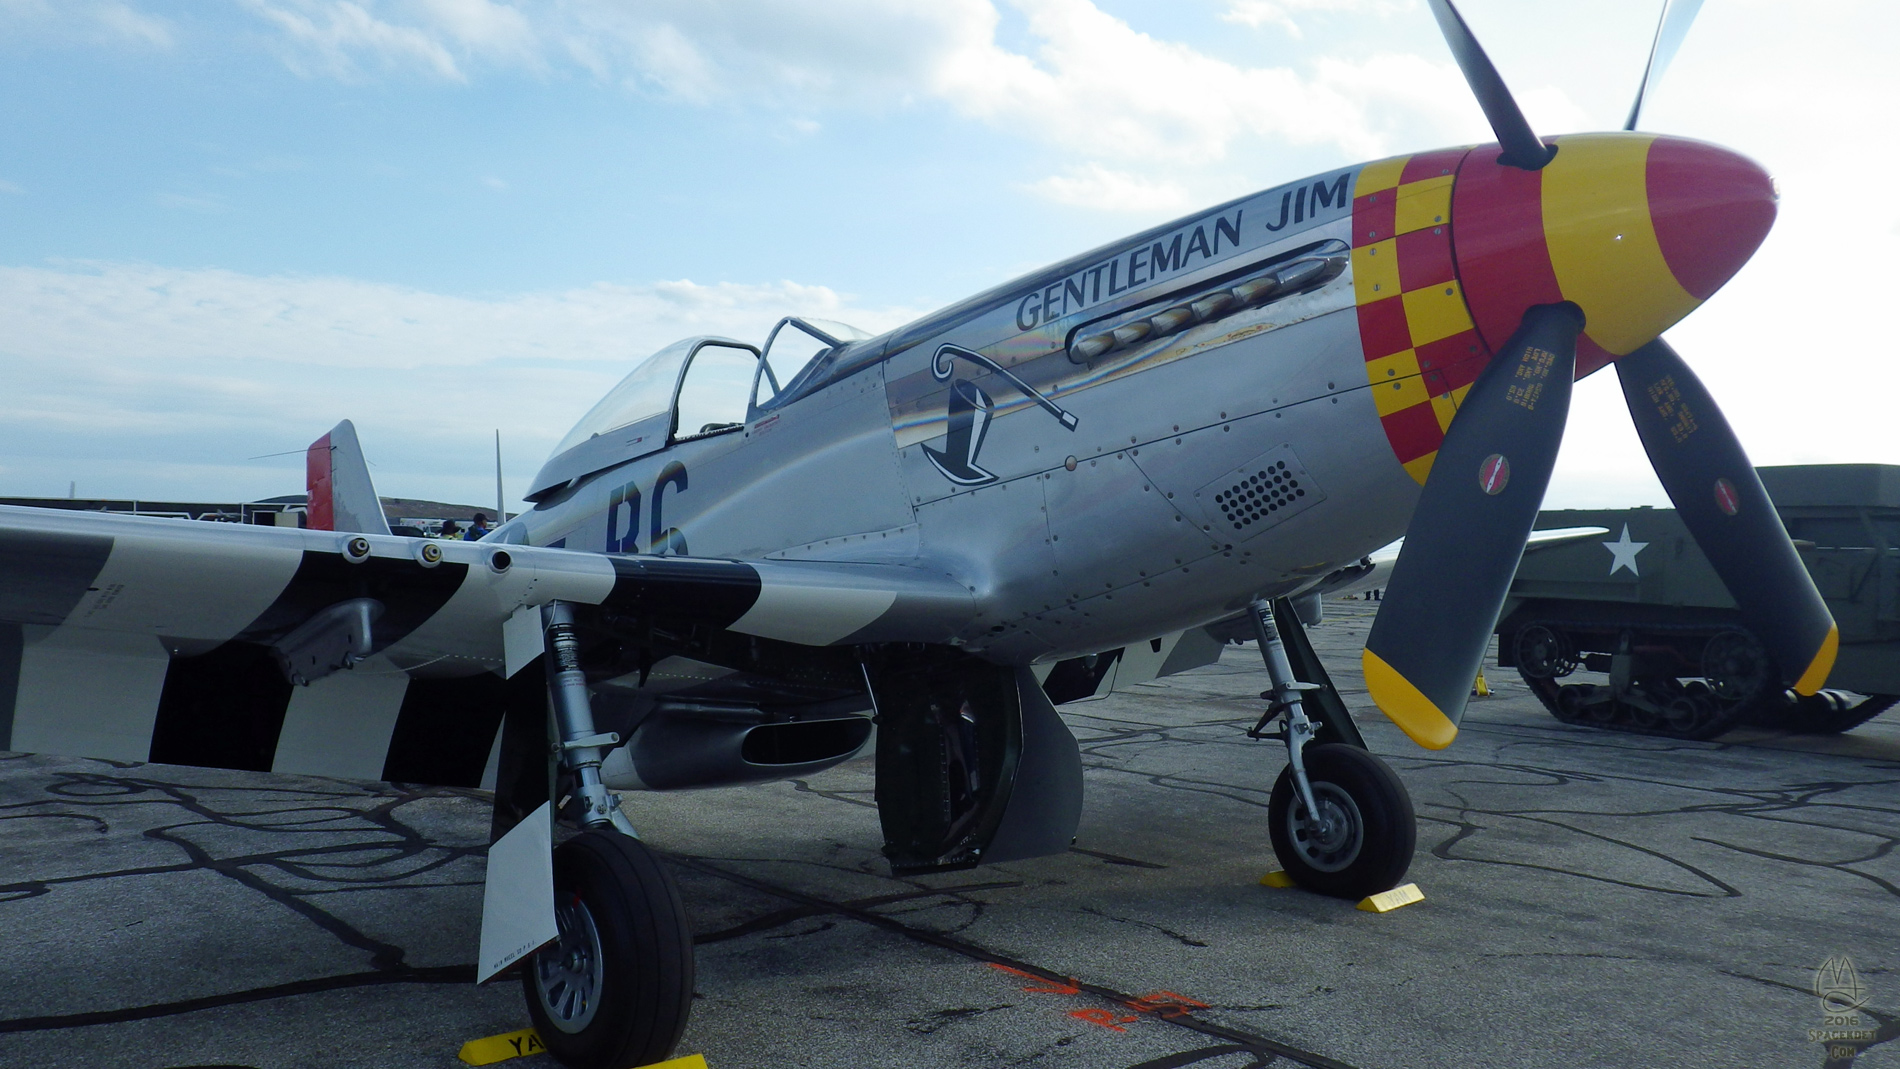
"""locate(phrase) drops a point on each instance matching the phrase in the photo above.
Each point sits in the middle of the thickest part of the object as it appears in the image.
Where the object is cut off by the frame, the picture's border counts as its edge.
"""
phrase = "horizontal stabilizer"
(342, 498)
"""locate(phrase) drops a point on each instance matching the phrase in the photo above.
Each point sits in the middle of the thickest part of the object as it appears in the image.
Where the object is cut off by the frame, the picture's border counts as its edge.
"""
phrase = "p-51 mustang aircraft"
(745, 562)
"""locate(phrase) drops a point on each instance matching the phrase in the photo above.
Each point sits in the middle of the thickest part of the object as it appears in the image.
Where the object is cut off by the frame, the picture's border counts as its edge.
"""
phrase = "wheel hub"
(1332, 841)
(568, 972)
(1735, 666)
(1544, 654)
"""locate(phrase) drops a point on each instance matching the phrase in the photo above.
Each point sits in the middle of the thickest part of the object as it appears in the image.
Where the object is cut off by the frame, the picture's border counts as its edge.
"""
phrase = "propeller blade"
(1521, 147)
(1468, 531)
(1671, 28)
(1722, 502)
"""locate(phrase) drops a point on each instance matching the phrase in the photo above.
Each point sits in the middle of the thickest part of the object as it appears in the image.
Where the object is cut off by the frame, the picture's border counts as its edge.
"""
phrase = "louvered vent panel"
(1258, 495)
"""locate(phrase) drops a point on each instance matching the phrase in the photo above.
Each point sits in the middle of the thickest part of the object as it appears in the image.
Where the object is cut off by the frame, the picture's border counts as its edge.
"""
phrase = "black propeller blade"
(1722, 502)
(1671, 28)
(1521, 147)
(1489, 477)
(1468, 531)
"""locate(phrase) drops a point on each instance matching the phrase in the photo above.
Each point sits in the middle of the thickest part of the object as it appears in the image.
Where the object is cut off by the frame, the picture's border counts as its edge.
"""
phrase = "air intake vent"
(1258, 495)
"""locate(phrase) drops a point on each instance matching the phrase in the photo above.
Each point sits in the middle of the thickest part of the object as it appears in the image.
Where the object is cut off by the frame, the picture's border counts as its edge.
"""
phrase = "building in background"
(407, 515)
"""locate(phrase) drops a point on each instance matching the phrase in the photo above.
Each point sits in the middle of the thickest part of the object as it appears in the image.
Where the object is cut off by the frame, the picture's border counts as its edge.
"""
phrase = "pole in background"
(501, 513)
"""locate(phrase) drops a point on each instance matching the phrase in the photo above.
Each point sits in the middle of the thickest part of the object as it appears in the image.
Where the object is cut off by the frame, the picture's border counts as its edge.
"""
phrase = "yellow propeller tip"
(1406, 706)
(1822, 664)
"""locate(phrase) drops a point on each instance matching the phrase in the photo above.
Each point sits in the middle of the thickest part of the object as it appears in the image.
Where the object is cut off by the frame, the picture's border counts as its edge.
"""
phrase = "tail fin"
(342, 498)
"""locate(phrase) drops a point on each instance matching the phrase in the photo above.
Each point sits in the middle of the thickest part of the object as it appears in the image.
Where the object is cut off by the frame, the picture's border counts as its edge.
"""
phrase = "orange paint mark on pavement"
(1042, 986)
(1167, 1004)
(1106, 1018)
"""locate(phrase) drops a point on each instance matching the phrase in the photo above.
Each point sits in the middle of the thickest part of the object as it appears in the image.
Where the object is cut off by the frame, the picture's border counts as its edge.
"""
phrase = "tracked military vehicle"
(1633, 631)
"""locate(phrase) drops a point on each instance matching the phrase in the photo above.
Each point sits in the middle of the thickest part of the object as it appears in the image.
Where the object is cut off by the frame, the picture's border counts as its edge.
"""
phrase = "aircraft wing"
(91, 602)
(190, 584)
(1561, 536)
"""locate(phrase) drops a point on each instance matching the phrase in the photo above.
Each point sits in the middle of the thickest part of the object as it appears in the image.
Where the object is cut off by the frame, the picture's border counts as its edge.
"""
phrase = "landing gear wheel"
(1363, 842)
(615, 988)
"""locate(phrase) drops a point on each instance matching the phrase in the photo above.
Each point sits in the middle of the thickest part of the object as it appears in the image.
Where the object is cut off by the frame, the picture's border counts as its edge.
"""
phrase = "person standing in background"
(477, 527)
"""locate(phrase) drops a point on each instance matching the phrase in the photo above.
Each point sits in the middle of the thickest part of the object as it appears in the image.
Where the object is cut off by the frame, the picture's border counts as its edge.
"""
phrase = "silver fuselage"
(1074, 535)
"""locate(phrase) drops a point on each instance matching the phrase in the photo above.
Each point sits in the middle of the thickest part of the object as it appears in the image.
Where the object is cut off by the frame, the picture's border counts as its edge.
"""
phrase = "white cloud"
(334, 36)
(1098, 85)
(98, 21)
(702, 52)
(11, 188)
(1090, 84)
(123, 22)
(132, 314)
(1284, 13)
(1108, 97)
(159, 382)
(1095, 186)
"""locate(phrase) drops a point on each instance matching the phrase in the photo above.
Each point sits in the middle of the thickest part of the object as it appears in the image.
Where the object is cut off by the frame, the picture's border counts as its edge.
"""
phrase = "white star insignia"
(1623, 552)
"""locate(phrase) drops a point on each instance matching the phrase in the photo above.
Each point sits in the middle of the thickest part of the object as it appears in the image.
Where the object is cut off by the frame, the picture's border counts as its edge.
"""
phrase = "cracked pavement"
(1590, 899)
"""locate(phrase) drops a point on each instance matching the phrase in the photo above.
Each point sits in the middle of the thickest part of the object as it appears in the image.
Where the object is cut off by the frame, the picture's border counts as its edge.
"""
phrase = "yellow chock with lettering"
(1479, 688)
(1277, 878)
(1386, 901)
(501, 1048)
(516, 1044)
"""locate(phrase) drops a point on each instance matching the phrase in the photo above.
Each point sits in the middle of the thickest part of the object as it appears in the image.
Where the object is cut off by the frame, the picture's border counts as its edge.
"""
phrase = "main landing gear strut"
(614, 988)
(1340, 818)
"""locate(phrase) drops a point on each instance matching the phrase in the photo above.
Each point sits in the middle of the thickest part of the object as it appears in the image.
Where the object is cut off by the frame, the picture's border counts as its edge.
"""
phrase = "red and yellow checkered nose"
(1450, 249)
(1637, 230)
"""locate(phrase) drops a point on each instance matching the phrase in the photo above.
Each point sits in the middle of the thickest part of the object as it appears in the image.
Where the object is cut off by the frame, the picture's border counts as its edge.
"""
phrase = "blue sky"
(226, 225)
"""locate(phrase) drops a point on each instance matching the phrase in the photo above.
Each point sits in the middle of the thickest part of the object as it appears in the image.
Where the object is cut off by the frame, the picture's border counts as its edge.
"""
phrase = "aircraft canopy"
(797, 343)
(650, 388)
(646, 391)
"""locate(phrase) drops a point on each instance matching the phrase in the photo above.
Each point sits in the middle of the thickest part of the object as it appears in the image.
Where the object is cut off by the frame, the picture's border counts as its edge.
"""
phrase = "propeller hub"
(1635, 229)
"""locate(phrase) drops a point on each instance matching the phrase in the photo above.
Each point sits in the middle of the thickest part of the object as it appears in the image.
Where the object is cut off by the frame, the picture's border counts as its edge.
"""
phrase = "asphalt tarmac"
(1590, 899)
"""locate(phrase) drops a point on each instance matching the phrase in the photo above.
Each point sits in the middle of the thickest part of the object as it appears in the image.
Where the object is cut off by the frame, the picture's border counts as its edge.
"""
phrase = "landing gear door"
(973, 764)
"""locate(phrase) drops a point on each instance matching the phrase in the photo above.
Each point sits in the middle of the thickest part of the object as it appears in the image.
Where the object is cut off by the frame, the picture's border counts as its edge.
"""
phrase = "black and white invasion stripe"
(137, 638)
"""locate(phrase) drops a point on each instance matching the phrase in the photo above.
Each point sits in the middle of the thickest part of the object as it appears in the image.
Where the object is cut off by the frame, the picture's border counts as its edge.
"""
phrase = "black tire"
(628, 1005)
(1376, 843)
(1834, 712)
